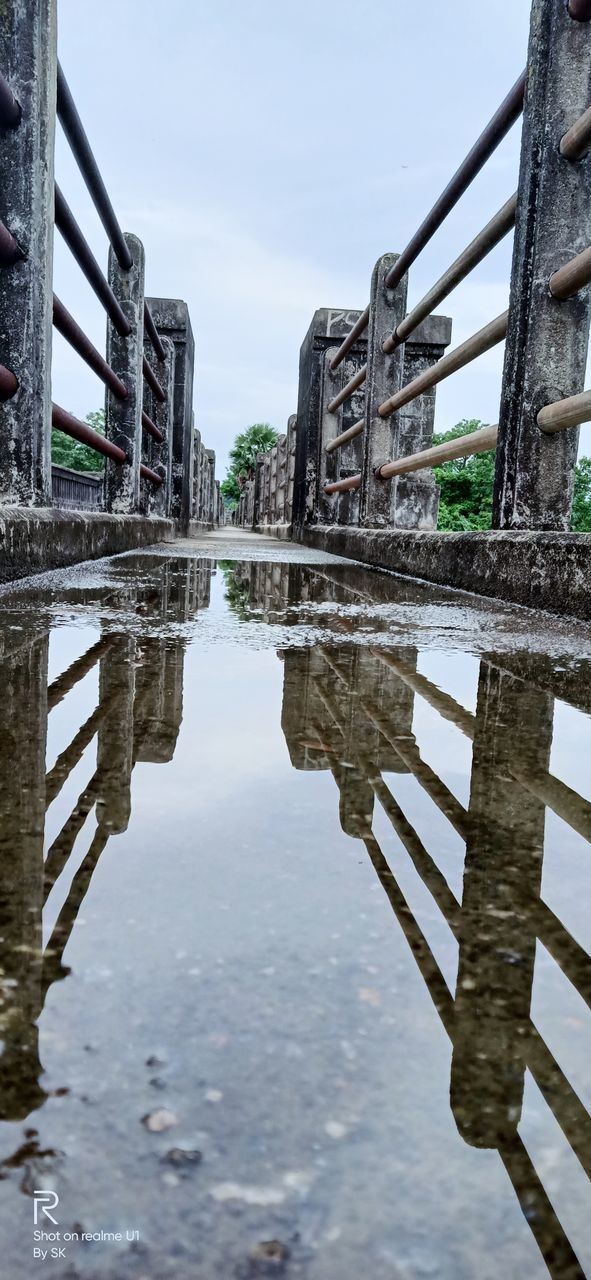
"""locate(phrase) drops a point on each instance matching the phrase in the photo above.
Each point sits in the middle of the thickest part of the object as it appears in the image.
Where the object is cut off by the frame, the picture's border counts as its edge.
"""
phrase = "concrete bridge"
(353, 474)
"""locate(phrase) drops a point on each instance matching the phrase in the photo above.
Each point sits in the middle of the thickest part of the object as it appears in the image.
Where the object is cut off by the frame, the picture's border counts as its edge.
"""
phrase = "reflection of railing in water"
(351, 712)
(137, 718)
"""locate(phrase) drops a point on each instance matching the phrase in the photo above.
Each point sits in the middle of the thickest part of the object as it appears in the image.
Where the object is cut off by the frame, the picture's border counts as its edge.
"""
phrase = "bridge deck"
(295, 952)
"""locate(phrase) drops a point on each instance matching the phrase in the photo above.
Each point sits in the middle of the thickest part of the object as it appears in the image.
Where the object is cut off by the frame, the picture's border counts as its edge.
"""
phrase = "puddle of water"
(294, 936)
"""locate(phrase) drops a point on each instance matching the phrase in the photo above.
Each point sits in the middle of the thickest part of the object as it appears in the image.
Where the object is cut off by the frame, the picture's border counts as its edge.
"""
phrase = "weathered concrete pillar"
(331, 466)
(258, 490)
(211, 487)
(115, 737)
(195, 508)
(291, 452)
(123, 418)
(28, 58)
(377, 499)
(497, 936)
(171, 317)
(416, 496)
(159, 454)
(328, 328)
(547, 340)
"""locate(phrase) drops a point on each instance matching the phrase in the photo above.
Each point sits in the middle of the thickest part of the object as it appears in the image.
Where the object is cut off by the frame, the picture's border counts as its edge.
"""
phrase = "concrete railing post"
(377, 501)
(416, 498)
(159, 454)
(328, 328)
(171, 317)
(547, 339)
(123, 418)
(291, 450)
(210, 516)
(115, 750)
(502, 879)
(195, 508)
(28, 57)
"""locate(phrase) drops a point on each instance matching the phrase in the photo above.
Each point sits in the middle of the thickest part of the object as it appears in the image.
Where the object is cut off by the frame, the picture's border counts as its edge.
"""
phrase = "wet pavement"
(294, 924)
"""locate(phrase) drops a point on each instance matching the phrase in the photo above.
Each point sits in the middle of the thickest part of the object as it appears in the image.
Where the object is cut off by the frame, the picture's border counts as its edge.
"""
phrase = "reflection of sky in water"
(238, 940)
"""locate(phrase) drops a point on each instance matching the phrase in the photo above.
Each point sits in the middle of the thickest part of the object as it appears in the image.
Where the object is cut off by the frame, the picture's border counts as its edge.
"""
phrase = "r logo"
(45, 1201)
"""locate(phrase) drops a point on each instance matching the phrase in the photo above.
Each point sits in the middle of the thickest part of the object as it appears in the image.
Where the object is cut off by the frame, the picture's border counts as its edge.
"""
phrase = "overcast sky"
(267, 154)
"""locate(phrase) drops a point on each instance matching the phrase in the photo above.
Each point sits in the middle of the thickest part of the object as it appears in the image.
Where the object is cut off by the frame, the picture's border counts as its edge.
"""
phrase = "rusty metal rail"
(71, 331)
(82, 151)
(10, 250)
(572, 277)
(76, 672)
(10, 110)
(476, 252)
(83, 154)
(576, 142)
(153, 382)
(153, 334)
(346, 436)
(151, 427)
(81, 251)
(72, 426)
(486, 338)
(8, 383)
(496, 129)
(353, 385)
(151, 476)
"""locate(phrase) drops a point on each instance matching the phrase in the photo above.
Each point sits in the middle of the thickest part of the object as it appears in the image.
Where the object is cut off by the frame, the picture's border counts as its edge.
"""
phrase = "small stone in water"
(213, 1095)
(335, 1129)
(269, 1255)
(158, 1121)
(179, 1158)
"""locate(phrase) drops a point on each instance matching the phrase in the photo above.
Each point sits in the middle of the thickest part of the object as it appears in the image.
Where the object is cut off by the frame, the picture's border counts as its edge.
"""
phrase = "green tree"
(67, 452)
(466, 484)
(258, 438)
(467, 487)
(581, 513)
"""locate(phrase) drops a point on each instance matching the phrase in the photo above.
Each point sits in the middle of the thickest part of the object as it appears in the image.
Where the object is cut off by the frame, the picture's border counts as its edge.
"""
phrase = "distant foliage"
(581, 513)
(70, 453)
(258, 438)
(466, 484)
(467, 487)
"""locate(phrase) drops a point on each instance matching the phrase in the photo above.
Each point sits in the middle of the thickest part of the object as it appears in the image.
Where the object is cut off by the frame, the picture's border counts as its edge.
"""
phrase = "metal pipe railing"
(463, 447)
(151, 428)
(80, 248)
(10, 109)
(352, 385)
(580, 10)
(10, 250)
(71, 331)
(72, 426)
(574, 275)
(153, 334)
(345, 436)
(476, 251)
(348, 485)
(561, 415)
(148, 474)
(475, 346)
(63, 683)
(8, 383)
(490, 138)
(153, 382)
(82, 151)
(576, 142)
